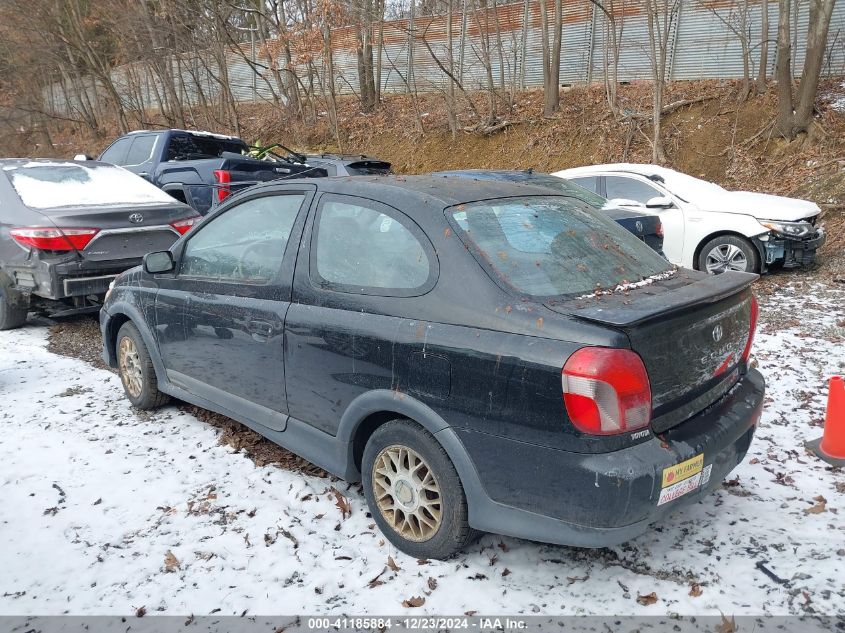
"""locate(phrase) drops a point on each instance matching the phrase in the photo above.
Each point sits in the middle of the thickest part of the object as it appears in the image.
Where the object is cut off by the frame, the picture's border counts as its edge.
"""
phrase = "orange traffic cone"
(831, 446)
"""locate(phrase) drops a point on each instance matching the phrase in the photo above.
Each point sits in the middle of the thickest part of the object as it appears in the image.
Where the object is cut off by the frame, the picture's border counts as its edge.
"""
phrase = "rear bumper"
(598, 500)
(67, 279)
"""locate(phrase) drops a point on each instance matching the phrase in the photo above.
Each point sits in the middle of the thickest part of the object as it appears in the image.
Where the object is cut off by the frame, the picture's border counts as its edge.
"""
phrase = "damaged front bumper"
(791, 252)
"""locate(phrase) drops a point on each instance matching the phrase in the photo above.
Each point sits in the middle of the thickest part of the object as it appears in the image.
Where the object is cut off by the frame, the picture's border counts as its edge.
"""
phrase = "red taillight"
(183, 226)
(660, 228)
(53, 239)
(224, 178)
(606, 391)
(755, 313)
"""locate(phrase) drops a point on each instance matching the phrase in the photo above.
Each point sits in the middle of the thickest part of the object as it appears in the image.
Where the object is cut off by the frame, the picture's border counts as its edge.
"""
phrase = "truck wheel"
(414, 492)
(12, 315)
(728, 252)
(136, 369)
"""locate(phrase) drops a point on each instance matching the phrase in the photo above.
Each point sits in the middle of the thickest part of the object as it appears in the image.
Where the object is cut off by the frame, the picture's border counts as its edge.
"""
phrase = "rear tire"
(728, 252)
(414, 492)
(136, 369)
(12, 315)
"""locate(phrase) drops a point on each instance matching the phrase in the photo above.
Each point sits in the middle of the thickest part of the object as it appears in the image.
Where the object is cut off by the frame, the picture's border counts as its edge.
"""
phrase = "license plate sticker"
(672, 475)
(679, 489)
(705, 475)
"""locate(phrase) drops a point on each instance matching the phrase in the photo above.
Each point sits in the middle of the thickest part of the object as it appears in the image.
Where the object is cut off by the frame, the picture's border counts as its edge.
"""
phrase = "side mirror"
(82, 157)
(158, 262)
(660, 202)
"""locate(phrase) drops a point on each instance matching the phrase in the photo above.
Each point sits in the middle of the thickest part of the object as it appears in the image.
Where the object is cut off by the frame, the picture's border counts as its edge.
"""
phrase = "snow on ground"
(105, 510)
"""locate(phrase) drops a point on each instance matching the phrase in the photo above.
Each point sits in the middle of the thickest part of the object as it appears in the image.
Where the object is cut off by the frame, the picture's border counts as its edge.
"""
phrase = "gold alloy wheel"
(407, 493)
(130, 366)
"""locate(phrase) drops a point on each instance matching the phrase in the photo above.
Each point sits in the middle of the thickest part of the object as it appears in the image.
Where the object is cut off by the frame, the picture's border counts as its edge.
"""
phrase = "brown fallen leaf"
(507, 572)
(503, 546)
(726, 626)
(819, 507)
(171, 563)
(695, 590)
(432, 584)
(649, 598)
(140, 612)
(392, 564)
(416, 601)
(375, 582)
(342, 503)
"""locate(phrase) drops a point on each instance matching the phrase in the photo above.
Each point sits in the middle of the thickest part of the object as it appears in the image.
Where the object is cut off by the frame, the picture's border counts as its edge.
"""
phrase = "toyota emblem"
(639, 226)
(718, 333)
(136, 218)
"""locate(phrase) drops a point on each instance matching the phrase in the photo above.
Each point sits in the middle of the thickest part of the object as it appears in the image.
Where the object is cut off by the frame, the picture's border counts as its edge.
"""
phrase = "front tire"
(414, 492)
(728, 252)
(136, 369)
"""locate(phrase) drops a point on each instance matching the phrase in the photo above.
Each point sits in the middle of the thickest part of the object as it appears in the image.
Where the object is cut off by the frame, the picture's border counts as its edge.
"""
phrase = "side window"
(141, 150)
(620, 187)
(116, 152)
(245, 243)
(588, 182)
(360, 247)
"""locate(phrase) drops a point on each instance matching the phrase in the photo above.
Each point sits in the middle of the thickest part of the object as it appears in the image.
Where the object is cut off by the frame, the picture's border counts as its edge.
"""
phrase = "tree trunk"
(764, 48)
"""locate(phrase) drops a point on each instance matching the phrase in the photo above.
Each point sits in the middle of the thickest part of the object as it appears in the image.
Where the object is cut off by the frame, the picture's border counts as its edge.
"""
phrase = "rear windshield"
(551, 246)
(193, 147)
(51, 185)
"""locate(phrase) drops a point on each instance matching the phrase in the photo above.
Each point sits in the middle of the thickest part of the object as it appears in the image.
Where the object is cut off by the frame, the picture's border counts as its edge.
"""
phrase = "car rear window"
(196, 147)
(554, 246)
(52, 185)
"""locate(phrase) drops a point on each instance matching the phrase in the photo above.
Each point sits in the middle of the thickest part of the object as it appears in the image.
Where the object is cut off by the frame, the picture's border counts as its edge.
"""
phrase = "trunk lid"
(690, 331)
(119, 237)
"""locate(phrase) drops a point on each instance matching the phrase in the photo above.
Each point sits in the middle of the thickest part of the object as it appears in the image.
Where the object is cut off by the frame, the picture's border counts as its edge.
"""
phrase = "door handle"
(260, 329)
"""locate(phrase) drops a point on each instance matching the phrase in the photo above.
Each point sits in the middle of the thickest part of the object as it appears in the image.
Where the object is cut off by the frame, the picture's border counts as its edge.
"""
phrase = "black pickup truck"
(199, 168)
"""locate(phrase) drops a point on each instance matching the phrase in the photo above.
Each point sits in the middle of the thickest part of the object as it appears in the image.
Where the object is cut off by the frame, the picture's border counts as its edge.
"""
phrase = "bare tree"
(551, 56)
(661, 18)
(762, 74)
(734, 16)
(795, 107)
(613, 27)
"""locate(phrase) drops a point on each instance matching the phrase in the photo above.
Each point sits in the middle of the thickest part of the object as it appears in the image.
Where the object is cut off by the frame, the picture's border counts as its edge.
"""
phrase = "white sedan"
(707, 227)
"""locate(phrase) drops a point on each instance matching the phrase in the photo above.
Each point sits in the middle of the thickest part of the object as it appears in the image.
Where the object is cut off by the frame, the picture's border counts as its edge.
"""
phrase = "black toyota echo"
(481, 355)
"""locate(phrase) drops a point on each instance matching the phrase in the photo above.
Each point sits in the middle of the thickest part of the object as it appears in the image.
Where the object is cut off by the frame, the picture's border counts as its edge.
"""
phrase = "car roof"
(47, 162)
(223, 137)
(442, 190)
(642, 169)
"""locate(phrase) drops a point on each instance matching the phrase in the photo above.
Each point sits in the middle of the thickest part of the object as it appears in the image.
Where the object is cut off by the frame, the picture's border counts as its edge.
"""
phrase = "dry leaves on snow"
(819, 507)
(416, 601)
(647, 599)
(342, 503)
(695, 590)
(171, 563)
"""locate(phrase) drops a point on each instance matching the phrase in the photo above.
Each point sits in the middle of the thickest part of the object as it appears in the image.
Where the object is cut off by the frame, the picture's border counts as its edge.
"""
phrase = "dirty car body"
(467, 308)
(69, 228)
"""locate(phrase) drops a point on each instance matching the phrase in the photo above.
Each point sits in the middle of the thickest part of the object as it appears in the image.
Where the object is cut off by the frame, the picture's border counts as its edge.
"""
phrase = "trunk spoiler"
(688, 289)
